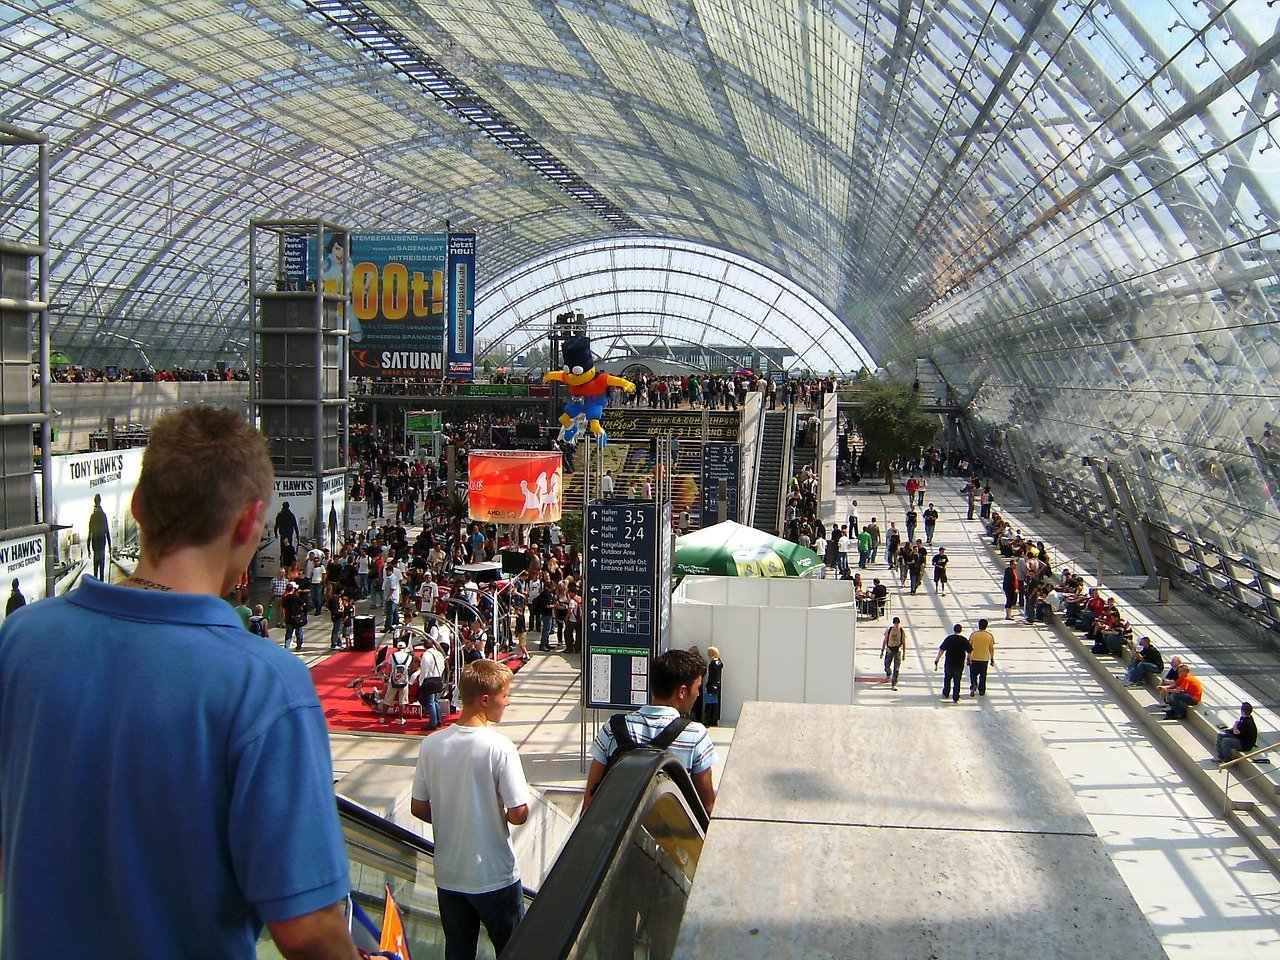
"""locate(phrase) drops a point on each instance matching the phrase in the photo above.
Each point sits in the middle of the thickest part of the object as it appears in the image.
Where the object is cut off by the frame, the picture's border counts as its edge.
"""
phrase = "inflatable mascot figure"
(588, 390)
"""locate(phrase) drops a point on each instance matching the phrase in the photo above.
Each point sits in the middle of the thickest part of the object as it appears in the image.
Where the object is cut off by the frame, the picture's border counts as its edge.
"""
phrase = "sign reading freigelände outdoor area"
(627, 602)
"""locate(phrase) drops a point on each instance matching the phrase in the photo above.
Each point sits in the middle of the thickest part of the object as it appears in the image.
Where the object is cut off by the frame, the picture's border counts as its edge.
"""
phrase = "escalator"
(769, 478)
(617, 891)
(619, 887)
(380, 853)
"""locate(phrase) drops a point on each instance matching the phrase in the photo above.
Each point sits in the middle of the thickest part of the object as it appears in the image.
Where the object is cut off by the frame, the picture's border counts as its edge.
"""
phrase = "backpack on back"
(399, 677)
(623, 742)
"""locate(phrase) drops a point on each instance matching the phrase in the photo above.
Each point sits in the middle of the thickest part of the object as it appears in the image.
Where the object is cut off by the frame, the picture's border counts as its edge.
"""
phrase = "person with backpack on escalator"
(675, 680)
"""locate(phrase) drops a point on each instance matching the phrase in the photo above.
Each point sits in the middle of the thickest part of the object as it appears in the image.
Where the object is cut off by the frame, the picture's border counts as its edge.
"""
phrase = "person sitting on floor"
(1186, 691)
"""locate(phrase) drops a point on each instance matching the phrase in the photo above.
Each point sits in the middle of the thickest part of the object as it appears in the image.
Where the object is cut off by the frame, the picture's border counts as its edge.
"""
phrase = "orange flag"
(393, 938)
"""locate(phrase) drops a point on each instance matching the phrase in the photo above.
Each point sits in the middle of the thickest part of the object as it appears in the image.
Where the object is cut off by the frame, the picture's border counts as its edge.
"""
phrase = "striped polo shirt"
(693, 747)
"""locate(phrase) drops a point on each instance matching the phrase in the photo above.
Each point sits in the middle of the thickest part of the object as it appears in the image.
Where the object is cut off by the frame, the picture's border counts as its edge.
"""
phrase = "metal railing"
(1227, 771)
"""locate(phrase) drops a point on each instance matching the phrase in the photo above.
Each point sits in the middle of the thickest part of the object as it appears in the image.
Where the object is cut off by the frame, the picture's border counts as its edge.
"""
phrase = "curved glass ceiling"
(1070, 205)
(640, 295)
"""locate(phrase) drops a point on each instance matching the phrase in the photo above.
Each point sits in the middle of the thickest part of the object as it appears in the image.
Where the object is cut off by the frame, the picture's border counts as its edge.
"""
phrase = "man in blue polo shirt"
(675, 680)
(165, 781)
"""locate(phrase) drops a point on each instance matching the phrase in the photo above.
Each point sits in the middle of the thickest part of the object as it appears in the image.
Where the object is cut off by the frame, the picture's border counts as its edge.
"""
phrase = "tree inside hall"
(892, 425)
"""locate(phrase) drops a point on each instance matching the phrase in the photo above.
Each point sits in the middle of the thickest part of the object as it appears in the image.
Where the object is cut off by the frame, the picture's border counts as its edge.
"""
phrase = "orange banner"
(393, 938)
(514, 486)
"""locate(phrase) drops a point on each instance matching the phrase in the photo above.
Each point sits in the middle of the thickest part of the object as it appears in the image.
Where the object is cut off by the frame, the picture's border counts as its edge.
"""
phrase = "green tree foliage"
(892, 424)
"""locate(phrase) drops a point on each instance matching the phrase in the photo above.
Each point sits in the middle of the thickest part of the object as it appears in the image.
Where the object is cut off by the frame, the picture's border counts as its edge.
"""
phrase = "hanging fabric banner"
(514, 486)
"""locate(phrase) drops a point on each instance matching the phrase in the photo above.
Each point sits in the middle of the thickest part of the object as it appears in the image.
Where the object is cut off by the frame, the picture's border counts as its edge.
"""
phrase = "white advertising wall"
(792, 642)
(22, 560)
(300, 494)
(85, 484)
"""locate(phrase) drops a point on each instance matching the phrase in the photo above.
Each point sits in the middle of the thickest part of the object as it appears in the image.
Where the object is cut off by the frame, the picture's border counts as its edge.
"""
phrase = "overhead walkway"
(882, 832)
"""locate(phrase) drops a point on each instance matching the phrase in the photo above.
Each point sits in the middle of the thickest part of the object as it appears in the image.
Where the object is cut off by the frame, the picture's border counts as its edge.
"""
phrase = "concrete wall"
(83, 408)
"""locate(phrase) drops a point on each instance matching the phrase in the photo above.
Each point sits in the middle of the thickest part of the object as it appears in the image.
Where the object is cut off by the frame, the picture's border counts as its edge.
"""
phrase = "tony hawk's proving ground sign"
(514, 486)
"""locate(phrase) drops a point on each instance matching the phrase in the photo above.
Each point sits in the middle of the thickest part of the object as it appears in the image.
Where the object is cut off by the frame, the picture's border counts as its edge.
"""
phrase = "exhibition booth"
(788, 640)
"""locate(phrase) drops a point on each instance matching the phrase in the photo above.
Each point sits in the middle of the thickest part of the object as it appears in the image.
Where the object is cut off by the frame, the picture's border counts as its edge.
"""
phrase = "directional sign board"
(720, 461)
(624, 602)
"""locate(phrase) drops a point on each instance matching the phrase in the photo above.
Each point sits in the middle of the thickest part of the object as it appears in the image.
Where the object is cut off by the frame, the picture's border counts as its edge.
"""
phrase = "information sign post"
(626, 602)
(720, 461)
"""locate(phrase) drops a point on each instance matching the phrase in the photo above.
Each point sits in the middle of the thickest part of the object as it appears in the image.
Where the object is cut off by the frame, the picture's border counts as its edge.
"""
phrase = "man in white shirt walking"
(470, 787)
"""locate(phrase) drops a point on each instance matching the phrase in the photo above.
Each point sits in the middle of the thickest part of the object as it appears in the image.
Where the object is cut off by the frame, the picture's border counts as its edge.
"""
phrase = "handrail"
(569, 892)
(367, 818)
(1248, 756)
(393, 831)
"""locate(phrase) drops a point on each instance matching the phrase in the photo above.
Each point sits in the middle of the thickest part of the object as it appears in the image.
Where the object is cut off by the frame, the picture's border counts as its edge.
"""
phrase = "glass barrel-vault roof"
(644, 295)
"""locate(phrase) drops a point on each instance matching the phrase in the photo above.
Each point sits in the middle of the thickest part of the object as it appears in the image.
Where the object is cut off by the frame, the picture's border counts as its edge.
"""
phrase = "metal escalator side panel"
(619, 886)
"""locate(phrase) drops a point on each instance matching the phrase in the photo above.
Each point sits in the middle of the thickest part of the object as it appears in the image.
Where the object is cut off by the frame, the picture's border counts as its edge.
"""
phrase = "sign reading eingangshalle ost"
(623, 607)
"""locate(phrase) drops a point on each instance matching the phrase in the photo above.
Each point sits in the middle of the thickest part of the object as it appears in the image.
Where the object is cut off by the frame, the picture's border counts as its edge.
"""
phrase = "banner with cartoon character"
(514, 486)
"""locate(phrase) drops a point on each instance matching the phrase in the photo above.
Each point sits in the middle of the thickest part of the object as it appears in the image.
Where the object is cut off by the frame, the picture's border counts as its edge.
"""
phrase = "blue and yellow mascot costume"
(588, 390)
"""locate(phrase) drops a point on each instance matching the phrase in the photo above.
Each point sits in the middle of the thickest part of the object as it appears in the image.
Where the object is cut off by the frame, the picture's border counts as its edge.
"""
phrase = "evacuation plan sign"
(624, 606)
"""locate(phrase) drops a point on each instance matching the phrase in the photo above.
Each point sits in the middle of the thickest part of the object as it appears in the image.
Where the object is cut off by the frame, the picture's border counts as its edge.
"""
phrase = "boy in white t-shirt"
(477, 878)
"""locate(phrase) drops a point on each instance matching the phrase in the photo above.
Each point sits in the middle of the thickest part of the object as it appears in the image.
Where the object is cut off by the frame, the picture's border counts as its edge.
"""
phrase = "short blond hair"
(483, 676)
(201, 466)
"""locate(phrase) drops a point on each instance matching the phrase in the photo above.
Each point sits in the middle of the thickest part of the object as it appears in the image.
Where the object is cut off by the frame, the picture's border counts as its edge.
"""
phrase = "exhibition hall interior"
(677, 299)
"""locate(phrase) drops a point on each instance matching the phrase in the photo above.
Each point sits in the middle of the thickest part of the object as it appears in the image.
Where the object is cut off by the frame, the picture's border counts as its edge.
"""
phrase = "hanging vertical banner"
(514, 486)
(462, 295)
(295, 259)
(397, 319)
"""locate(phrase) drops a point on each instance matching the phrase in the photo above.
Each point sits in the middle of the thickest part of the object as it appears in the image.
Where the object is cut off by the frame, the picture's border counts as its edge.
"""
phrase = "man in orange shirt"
(1184, 692)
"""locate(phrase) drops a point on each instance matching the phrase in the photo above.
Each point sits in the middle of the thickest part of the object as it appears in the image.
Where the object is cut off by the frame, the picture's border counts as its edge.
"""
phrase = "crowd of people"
(76, 373)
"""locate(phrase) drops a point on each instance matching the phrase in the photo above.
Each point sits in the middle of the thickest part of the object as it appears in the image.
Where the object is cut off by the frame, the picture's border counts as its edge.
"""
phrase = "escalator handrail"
(570, 889)
(367, 818)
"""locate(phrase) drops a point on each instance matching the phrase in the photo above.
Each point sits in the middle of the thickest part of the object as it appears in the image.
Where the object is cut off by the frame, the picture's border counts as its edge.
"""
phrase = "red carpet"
(344, 710)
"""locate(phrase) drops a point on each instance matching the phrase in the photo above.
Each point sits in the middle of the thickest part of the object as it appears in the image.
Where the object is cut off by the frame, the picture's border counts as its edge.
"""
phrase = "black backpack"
(623, 742)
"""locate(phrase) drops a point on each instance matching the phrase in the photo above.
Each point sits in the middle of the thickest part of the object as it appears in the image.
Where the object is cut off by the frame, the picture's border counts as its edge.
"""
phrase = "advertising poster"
(357, 516)
(92, 503)
(397, 318)
(290, 514)
(334, 495)
(22, 560)
(461, 312)
(514, 486)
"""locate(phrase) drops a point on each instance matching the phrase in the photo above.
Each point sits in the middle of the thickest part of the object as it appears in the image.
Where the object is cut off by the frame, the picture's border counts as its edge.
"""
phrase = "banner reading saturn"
(514, 486)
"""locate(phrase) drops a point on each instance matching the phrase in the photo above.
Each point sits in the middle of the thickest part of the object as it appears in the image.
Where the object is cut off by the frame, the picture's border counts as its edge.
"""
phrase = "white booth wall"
(783, 640)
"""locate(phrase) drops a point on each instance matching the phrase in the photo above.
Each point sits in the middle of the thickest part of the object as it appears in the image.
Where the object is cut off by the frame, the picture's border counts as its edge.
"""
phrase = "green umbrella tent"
(732, 550)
